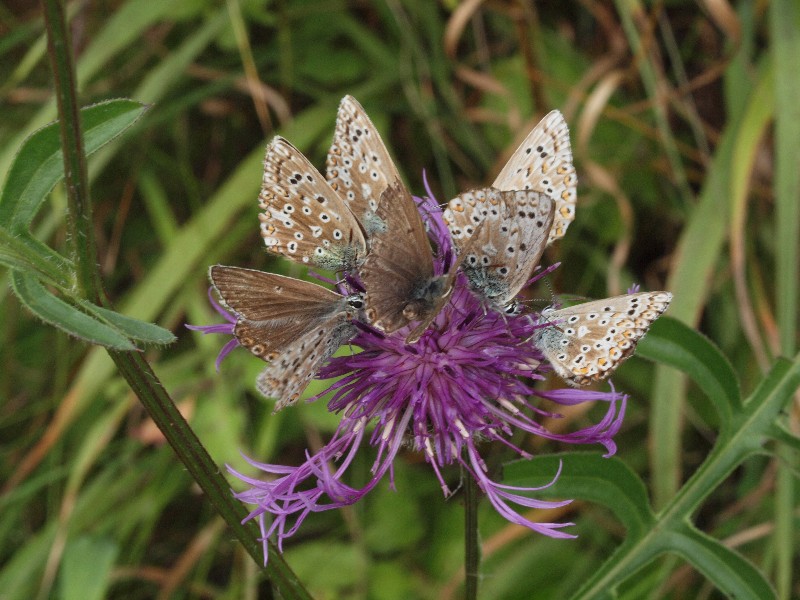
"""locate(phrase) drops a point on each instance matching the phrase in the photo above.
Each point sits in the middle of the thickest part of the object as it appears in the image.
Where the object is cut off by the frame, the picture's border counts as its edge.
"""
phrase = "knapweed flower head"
(448, 360)
(470, 379)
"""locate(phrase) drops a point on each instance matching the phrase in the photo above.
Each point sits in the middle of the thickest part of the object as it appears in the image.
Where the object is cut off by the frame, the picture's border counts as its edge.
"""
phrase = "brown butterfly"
(398, 273)
(292, 324)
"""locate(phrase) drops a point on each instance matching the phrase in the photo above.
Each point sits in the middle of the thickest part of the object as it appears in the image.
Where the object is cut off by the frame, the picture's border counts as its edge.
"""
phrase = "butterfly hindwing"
(587, 342)
(543, 162)
(304, 219)
(289, 374)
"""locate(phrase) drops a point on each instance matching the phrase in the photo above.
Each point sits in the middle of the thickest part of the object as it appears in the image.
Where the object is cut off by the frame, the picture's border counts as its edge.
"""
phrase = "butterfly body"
(304, 219)
(293, 324)
(587, 342)
(500, 236)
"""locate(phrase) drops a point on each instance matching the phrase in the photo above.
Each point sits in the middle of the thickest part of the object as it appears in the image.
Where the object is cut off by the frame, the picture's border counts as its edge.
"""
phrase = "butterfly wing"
(506, 233)
(359, 165)
(398, 272)
(274, 311)
(289, 374)
(304, 219)
(543, 162)
(587, 342)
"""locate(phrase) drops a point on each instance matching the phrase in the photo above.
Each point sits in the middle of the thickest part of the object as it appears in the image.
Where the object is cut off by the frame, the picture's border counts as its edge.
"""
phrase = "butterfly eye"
(513, 309)
(356, 302)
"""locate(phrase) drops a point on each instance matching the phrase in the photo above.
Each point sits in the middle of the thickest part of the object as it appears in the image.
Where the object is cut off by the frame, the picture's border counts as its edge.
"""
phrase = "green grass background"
(685, 126)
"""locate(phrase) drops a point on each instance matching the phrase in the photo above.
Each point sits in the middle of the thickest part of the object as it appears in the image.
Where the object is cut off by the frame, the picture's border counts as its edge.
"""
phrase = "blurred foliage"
(680, 181)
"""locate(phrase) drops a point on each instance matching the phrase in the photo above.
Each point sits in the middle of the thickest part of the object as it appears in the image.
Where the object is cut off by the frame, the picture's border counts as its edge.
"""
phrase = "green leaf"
(730, 572)
(58, 313)
(38, 165)
(588, 476)
(148, 333)
(86, 568)
(781, 433)
(22, 252)
(671, 342)
(785, 25)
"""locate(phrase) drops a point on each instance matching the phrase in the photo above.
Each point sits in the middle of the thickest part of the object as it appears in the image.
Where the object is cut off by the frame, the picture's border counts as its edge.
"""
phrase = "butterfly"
(506, 233)
(304, 219)
(294, 325)
(587, 342)
(543, 162)
(398, 273)
(359, 165)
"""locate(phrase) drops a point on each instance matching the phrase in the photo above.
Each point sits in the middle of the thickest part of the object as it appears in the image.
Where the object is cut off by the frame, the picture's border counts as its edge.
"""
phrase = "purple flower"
(470, 379)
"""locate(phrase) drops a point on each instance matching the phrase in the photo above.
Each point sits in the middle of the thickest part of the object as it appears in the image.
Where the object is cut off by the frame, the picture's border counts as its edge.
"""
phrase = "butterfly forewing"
(506, 233)
(280, 318)
(398, 273)
(543, 162)
(587, 342)
(359, 165)
(304, 219)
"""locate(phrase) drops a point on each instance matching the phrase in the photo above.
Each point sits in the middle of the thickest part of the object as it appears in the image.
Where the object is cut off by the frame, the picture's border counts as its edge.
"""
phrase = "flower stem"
(471, 540)
(132, 365)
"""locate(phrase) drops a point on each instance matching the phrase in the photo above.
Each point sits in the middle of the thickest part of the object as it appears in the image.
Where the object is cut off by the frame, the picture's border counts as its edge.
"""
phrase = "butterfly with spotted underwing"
(587, 342)
(304, 219)
(500, 237)
(294, 325)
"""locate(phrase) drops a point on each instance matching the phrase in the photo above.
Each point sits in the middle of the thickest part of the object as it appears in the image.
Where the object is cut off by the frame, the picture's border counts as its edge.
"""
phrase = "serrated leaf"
(587, 476)
(730, 572)
(86, 569)
(671, 342)
(141, 331)
(38, 165)
(58, 313)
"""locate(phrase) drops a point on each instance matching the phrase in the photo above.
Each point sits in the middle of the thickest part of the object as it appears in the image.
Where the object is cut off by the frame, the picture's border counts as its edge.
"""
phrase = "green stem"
(471, 539)
(193, 455)
(132, 365)
(79, 213)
